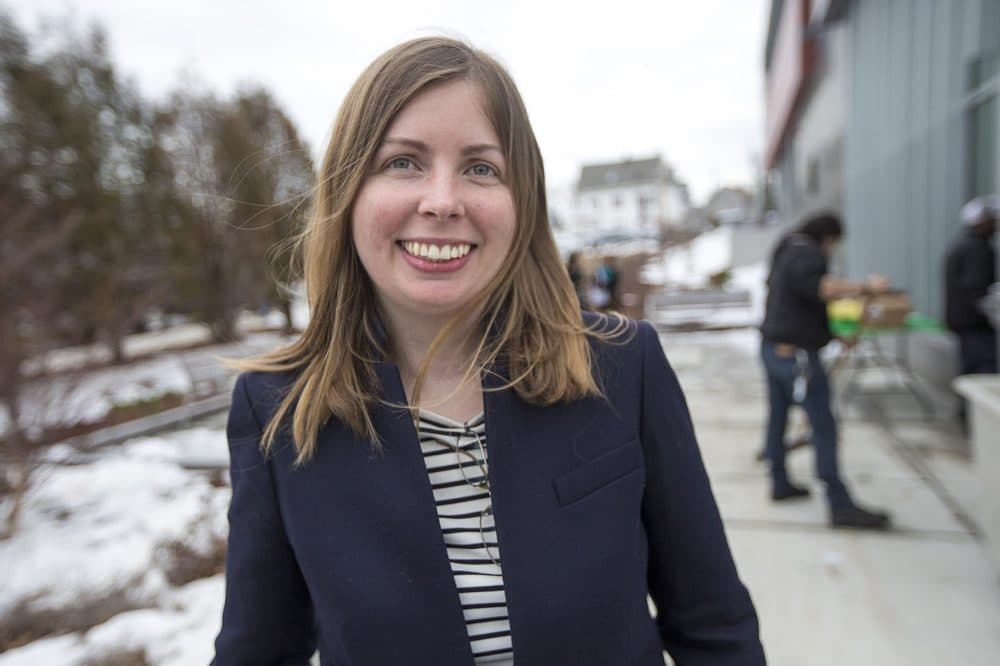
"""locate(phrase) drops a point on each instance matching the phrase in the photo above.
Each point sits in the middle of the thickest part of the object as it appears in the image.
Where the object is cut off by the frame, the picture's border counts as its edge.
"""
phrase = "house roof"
(629, 172)
(728, 197)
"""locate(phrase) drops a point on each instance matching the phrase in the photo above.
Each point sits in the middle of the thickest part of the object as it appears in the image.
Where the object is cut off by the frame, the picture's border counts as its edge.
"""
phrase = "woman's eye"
(482, 170)
(400, 163)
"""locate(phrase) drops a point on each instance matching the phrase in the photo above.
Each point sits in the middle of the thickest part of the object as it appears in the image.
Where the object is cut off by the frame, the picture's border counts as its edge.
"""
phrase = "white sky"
(602, 81)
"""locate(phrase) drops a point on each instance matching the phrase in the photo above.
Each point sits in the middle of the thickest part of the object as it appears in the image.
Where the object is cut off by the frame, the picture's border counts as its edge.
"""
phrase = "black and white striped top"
(456, 463)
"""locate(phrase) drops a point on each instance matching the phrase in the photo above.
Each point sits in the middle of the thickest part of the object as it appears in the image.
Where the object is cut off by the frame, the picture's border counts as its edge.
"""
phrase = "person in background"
(606, 280)
(970, 269)
(795, 328)
(453, 464)
(578, 277)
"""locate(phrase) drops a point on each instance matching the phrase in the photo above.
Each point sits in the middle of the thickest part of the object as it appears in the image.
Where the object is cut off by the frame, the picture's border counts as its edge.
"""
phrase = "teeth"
(437, 252)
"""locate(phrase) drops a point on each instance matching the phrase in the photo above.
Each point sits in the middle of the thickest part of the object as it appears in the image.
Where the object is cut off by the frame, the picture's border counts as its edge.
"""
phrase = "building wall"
(673, 205)
(819, 140)
(808, 174)
(906, 144)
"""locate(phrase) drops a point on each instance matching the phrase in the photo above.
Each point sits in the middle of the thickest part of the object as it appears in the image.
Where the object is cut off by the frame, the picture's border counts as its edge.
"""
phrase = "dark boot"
(853, 516)
(787, 491)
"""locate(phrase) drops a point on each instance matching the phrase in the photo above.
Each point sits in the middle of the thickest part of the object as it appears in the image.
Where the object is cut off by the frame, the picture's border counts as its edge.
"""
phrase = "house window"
(644, 205)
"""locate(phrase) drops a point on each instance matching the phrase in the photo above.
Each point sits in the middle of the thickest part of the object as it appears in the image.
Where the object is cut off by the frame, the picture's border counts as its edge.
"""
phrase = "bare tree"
(274, 179)
(77, 252)
(244, 174)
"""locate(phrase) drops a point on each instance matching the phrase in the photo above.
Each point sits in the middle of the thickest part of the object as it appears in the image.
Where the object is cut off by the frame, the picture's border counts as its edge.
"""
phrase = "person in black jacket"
(970, 269)
(795, 328)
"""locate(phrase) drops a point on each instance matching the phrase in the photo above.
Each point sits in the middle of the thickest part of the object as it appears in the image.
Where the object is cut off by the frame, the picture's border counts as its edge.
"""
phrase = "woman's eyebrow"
(481, 148)
(420, 146)
(412, 143)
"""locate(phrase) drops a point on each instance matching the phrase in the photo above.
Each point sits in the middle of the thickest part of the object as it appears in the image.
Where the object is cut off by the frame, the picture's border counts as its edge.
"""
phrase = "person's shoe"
(788, 492)
(857, 518)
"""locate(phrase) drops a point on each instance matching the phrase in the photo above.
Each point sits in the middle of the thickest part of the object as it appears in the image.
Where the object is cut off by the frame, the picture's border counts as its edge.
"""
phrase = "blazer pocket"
(599, 472)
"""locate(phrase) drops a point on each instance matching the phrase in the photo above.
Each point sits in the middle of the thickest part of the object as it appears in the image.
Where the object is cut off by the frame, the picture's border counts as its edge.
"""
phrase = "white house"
(632, 197)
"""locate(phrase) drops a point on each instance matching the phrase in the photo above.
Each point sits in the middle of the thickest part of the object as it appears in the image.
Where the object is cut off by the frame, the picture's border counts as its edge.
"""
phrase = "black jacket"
(969, 270)
(795, 313)
(597, 502)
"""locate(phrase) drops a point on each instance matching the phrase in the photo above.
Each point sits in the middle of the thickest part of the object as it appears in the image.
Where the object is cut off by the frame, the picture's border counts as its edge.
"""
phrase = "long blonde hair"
(530, 314)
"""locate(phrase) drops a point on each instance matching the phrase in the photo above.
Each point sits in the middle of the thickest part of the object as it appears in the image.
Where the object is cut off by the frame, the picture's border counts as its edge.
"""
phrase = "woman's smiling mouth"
(435, 252)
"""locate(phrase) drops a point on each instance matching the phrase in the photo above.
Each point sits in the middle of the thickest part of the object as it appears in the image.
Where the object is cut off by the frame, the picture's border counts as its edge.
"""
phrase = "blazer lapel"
(440, 620)
(507, 444)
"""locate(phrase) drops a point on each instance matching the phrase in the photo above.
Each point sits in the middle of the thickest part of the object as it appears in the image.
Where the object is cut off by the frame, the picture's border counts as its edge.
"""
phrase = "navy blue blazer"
(597, 503)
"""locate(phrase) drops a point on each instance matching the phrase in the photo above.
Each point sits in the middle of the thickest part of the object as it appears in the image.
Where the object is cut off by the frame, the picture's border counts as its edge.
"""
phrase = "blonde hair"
(530, 314)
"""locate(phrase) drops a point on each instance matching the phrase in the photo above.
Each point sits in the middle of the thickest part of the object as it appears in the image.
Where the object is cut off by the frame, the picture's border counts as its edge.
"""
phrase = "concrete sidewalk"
(924, 593)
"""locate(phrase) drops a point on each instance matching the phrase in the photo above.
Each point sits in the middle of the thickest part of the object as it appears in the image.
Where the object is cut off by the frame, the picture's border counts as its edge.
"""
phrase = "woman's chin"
(438, 306)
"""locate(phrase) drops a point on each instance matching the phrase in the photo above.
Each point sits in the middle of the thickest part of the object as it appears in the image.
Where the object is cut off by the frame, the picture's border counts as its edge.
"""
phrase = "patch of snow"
(72, 399)
(93, 531)
(137, 344)
(65, 650)
(117, 511)
(691, 264)
(87, 397)
(176, 446)
(184, 335)
(178, 632)
(177, 337)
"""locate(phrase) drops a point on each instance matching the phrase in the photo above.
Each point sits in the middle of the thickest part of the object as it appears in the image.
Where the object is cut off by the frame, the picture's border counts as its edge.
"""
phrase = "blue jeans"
(781, 393)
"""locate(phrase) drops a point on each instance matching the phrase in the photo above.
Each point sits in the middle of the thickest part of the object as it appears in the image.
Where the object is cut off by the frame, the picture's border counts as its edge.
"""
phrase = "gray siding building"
(886, 111)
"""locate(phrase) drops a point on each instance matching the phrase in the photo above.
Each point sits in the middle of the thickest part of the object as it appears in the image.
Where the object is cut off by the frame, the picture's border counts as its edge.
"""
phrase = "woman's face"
(435, 217)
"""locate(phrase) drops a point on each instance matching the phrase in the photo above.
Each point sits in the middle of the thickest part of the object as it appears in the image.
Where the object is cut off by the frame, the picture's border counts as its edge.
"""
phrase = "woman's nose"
(442, 198)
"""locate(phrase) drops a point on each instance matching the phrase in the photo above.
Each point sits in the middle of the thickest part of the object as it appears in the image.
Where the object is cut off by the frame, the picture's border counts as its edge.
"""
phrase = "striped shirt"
(456, 458)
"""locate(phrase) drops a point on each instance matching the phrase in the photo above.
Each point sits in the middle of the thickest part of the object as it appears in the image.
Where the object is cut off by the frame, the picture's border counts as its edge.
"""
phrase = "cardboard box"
(888, 310)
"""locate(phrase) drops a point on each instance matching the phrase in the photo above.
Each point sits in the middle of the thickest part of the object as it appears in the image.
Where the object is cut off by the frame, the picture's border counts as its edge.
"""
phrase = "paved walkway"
(922, 594)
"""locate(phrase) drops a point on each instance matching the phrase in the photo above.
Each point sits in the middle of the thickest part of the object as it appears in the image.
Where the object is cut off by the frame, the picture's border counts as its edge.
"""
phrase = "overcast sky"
(602, 81)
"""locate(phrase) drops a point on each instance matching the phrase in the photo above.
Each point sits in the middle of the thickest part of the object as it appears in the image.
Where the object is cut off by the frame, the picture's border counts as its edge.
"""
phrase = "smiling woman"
(453, 464)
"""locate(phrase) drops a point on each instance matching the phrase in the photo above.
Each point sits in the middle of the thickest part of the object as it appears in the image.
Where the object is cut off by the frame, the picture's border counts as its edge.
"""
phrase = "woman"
(451, 466)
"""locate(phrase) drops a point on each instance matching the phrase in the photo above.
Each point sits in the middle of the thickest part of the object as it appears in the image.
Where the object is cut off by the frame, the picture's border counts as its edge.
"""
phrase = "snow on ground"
(88, 396)
(689, 265)
(179, 447)
(71, 399)
(179, 632)
(182, 335)
(104, 530)
(179, 336)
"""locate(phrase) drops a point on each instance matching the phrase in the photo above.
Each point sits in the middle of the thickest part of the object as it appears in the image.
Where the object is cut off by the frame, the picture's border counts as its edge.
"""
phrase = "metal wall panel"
(905, 149)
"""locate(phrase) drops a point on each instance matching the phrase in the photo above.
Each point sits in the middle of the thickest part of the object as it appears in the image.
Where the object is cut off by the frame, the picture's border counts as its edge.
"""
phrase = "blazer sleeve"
(704, 613)
(267, 618)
